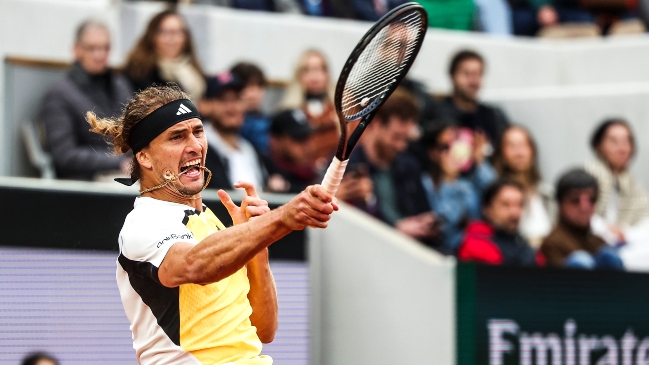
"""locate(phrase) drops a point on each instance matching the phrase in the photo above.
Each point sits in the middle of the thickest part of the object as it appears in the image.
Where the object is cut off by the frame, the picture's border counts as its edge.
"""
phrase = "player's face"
(468, 79)
(171, 37)
(93, 50)
(616, 147)
(517, 150)
(174, 149)
(506, 209)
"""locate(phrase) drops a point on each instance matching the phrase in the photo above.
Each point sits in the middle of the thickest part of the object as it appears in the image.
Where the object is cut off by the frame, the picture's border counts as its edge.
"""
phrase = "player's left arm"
(263, 293)
(262, 296)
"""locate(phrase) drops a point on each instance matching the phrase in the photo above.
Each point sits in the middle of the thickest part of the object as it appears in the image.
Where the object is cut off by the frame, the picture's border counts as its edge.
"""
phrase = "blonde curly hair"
(118, 130)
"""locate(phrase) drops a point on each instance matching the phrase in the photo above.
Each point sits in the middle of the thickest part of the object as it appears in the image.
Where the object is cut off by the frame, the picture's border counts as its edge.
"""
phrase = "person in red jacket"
(496, 240)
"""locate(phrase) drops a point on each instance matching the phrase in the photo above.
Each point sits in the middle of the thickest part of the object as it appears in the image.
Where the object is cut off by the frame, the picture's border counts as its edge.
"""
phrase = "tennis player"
(194, 291)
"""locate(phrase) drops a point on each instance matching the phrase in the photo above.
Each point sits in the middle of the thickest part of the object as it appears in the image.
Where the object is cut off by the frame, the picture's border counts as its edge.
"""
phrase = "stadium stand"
(376, 296)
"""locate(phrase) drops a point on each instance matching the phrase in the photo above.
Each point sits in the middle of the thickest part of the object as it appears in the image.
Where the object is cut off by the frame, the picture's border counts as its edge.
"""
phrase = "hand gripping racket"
(372, 72)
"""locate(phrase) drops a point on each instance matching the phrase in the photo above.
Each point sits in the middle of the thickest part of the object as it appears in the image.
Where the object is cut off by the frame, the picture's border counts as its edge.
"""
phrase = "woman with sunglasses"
(452, 197)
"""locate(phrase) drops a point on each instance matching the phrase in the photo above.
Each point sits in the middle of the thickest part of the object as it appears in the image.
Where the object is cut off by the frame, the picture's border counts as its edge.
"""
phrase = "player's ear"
(144, 159)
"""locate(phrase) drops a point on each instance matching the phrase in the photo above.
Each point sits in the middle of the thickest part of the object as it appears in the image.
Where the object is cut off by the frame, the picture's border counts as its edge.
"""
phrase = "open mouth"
(191, 168)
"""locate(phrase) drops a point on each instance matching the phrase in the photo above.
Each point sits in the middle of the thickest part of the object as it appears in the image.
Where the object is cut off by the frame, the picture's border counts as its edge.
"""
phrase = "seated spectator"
(397, 195)
(230, 157)
(89, 85)
(529, 16)
(452, 197)
(40, 358)
(291, 166)
(494, 16)
(466, 71)
(496, 240)
(516, 158)
(166, 53)
(622, 212)
(255, 126)
(312, 92)
(572, 242)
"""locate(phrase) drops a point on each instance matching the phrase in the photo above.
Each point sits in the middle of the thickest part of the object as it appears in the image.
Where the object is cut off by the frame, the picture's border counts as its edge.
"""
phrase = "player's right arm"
(224, 252)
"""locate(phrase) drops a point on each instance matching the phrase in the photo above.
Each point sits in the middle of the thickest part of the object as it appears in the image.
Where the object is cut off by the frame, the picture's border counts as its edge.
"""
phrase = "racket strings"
(381, 63)
(387, 69)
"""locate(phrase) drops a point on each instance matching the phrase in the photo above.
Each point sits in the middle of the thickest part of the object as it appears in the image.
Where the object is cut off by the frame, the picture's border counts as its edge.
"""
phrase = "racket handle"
(334, 175)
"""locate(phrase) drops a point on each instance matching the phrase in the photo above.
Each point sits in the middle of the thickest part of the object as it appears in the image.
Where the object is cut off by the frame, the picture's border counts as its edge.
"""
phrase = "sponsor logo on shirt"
(173, 236)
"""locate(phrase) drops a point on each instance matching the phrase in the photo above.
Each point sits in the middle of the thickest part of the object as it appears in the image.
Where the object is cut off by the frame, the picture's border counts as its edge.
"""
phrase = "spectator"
(622, 212)
(516, 158)
(282, 6)
(494, 16)
(572, 242)
(312, 92)
(529, 16)
(466, 71)
(255, 126)
(395, 176)
(496, 240)
(230, 157)
(373, 10)
(452, 198)
(89, 85)
(40, 358)
(291, 155)
(166, 53)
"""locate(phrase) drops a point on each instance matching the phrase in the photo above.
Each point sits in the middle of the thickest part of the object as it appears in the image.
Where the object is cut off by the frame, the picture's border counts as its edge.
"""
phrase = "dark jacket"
(484, 244)
(297, 177)
(141, 83)
(366, 10)
(77, 152)
(564, 239)
(406, 180)
(489, 119)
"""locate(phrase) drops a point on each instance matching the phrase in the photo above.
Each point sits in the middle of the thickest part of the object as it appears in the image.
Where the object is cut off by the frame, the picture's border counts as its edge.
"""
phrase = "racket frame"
(346, 145)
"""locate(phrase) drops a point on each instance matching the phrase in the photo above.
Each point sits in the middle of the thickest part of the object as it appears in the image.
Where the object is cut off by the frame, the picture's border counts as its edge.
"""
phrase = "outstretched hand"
(311, 208)
(251, 205)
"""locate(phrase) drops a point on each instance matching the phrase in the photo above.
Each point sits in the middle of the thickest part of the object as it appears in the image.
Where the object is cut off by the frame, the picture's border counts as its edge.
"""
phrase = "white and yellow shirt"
(189, 324)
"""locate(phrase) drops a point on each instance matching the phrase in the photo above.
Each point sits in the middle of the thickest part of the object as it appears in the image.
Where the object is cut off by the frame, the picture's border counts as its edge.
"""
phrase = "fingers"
(254, 206)
(248, 186)
(227, 202)
(309, 217)
(256, 211)
(319, 192)
(311, 208)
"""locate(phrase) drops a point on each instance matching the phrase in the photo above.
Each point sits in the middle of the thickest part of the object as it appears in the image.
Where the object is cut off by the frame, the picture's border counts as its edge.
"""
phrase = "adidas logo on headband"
(183, 110)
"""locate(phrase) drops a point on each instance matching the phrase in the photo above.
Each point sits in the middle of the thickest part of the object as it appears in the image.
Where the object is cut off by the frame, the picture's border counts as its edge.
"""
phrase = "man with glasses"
(89, 85)
(572, 242)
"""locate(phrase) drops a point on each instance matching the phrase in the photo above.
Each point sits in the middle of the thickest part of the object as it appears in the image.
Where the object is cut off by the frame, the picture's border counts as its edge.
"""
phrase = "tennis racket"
(376, 66)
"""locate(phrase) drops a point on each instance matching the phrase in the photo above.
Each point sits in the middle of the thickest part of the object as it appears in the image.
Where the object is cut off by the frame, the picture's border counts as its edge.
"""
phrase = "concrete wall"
(378, 297)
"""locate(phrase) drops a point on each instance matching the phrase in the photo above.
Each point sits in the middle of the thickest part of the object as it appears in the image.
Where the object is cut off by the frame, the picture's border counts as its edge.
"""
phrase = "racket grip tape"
(334, 175)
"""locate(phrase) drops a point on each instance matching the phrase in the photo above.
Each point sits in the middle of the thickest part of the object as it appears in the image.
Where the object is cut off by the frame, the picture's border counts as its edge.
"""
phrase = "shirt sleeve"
(148, 238)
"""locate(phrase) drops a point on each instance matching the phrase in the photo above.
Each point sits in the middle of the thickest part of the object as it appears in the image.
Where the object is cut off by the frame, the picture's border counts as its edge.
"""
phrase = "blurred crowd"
(451, 172)
(552, 18)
